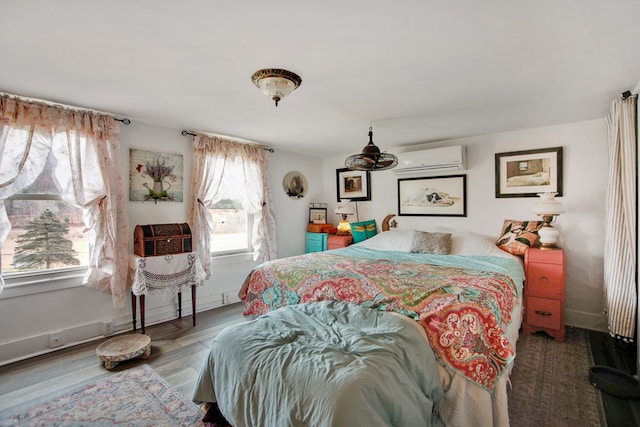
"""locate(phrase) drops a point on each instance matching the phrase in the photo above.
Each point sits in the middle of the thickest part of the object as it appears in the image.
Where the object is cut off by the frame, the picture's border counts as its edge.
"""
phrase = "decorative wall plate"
(295, 185)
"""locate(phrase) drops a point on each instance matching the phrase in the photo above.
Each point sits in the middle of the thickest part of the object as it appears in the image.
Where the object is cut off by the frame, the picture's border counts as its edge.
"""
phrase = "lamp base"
(548, 247)
(548, 237)
(344, 228)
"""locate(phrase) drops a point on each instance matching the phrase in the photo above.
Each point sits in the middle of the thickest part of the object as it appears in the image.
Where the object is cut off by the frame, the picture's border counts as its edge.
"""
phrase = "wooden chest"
(162, 239)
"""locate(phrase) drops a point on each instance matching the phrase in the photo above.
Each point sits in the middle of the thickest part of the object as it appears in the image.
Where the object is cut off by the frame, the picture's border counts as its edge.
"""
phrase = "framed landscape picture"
(527, 173)
(353, 185)
(433, 196)
(318, 215)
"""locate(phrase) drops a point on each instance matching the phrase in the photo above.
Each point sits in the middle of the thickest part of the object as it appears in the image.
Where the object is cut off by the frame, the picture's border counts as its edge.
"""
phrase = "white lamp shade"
(548, 205)
(345, 207)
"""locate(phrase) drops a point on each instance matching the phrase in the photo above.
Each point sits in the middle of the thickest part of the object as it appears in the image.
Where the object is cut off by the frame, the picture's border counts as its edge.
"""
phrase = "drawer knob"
(544, 278)
(543, 313)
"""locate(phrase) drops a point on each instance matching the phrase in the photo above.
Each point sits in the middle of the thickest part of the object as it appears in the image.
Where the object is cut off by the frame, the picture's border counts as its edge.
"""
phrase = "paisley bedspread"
(463, 311)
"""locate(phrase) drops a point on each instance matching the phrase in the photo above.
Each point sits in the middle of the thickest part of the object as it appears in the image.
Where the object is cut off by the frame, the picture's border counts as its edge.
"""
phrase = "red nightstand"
(544, 292)
(336, 241)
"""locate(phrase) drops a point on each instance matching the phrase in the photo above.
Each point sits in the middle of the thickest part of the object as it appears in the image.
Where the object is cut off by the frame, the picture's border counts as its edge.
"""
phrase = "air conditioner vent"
(433, 160)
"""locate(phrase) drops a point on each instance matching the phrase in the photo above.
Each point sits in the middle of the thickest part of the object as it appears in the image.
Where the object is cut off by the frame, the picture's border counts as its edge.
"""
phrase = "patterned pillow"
(424, 242)
(518, 236)
(363, 230)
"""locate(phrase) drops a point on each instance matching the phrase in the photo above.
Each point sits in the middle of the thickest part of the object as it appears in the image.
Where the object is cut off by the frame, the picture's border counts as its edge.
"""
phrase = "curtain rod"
(626, 94)
(186, 132)
(124, 121)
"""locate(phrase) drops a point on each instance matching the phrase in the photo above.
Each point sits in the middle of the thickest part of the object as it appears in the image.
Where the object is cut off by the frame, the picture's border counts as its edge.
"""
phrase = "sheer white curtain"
(85, 150)
(215, 158)
(620, 292)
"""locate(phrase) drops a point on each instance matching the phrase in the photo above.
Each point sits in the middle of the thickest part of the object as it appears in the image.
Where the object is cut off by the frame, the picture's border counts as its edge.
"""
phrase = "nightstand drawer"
(316, 242)
(544, 312)
(316, 237)
(545, 279)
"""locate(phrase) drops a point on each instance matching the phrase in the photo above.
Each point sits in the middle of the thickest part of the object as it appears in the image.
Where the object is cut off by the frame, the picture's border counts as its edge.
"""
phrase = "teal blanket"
(322, 364)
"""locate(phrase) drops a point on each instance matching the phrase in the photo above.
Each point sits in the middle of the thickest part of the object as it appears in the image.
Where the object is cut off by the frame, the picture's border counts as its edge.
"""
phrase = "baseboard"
(584, 320)
(25, 348)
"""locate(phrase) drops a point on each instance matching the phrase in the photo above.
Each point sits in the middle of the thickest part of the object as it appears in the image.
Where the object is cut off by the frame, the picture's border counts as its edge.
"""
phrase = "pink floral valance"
(18, 111)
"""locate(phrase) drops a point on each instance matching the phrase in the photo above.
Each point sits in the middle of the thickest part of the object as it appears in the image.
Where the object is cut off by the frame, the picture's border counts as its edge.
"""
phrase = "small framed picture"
(527, 173)
(353, 185)
(433, 196)
(318, 215)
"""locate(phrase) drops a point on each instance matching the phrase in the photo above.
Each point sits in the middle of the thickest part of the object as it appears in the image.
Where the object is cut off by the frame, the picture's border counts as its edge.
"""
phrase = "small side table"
(334, 241)
(544, 292)
(316, 242)
(166, 275)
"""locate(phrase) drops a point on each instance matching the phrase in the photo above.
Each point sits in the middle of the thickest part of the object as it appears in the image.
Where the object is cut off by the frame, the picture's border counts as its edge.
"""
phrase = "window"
(49, 155)
(46, 234)
(231, 228)
(231, 207)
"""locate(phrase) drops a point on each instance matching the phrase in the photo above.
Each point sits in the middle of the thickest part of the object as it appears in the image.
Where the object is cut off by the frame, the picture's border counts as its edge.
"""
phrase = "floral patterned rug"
(135, 397)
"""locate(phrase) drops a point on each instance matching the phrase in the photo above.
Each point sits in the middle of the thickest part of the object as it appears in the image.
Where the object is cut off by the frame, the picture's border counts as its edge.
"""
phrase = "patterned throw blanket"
(464, 312)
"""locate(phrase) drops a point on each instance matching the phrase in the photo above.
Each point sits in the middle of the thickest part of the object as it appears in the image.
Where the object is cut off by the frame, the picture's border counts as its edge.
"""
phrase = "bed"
(466, 304)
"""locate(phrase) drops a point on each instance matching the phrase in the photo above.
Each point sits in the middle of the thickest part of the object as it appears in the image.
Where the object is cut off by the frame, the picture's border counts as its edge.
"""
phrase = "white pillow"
(462, 242)
(395, 240)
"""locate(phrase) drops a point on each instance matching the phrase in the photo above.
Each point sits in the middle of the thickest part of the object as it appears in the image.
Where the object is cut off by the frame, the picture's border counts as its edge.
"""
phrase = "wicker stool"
(123, 348)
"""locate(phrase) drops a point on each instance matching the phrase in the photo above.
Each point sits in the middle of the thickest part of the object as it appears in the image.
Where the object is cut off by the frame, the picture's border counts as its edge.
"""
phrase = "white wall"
(581, 227)
(76, 314)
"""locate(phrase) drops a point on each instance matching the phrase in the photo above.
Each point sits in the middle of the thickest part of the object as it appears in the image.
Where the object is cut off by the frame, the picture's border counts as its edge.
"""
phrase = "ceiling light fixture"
(276, 83)
(371, 159)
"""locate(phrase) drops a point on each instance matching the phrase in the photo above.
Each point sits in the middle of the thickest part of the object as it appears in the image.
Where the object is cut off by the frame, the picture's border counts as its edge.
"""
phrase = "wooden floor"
(177, 351)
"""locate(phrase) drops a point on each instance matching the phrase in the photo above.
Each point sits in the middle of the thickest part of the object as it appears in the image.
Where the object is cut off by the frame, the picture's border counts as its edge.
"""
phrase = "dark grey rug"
(550, 383)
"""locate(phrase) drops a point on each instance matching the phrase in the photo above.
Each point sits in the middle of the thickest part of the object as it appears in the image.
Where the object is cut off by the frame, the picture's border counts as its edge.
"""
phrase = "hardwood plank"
(177, 351)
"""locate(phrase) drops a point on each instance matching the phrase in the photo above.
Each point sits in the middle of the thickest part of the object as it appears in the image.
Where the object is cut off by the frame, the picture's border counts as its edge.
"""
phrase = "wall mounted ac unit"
(433, 160)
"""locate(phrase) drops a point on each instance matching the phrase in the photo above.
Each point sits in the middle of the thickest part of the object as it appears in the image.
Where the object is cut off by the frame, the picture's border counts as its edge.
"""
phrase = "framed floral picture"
(155, 176)
(527, 173)
(433, 196)
(353, 185)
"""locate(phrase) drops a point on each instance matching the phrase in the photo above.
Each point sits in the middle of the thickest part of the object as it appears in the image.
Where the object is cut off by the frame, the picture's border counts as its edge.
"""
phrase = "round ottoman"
(124, 347)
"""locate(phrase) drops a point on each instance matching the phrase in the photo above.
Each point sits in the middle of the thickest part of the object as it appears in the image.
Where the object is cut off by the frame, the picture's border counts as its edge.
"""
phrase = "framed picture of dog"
(433, 196)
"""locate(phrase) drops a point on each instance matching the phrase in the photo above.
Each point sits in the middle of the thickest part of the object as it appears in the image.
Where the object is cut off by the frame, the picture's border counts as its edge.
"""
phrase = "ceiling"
(416, 70)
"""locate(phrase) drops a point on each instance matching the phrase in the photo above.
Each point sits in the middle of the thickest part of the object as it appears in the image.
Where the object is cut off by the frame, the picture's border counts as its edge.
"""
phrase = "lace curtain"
(244, 168)
(84, 149)
(620, 292)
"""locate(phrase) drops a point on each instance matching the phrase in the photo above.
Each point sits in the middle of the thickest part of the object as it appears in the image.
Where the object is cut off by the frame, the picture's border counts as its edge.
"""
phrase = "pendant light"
(371, 158)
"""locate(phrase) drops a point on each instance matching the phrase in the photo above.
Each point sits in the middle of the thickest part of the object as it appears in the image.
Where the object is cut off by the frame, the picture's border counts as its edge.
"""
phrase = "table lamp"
(548, 208)
(343, 210)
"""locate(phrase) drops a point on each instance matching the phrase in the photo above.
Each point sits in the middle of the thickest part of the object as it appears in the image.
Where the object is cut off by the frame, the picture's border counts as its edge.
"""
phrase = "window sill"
(233, 257)
(29, 284)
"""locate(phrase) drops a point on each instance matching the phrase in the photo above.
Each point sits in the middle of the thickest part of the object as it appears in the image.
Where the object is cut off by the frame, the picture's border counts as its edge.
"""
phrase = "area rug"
(135, 397)
(550, 382)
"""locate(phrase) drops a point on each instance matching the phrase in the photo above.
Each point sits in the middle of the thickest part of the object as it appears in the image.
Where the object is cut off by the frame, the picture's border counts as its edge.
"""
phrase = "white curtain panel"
(86, 147)
(620, 289)
(246, 167)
